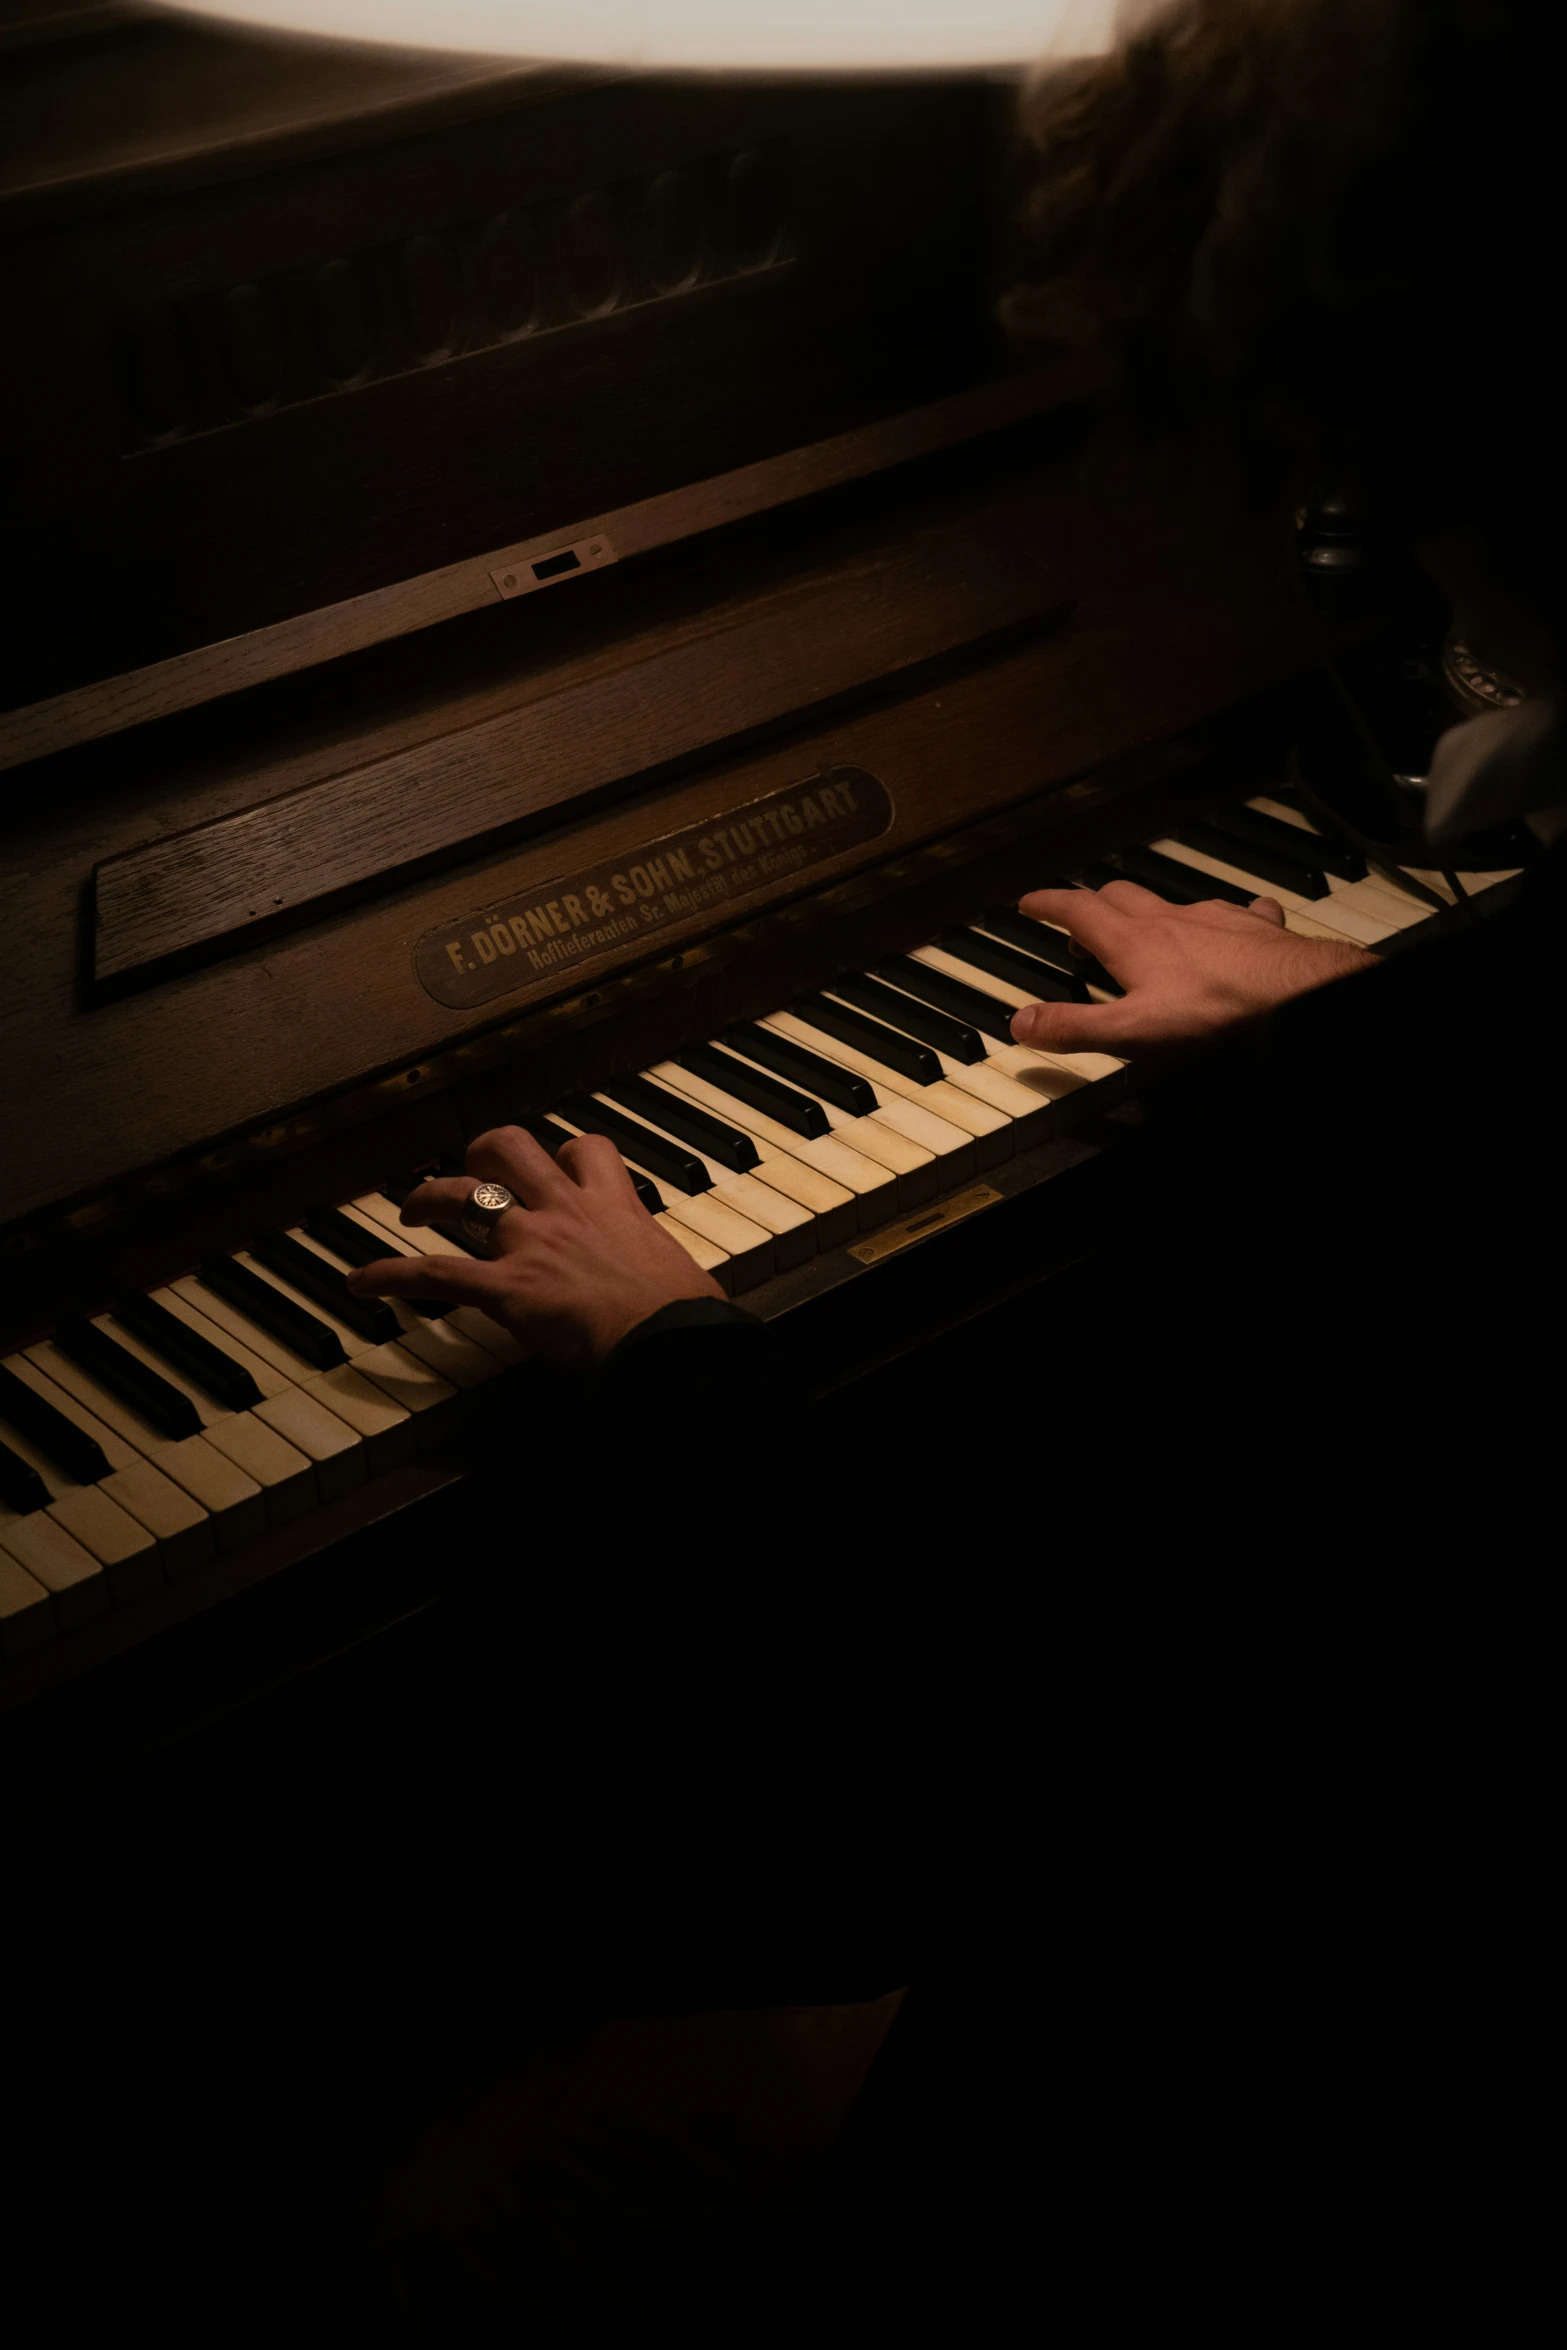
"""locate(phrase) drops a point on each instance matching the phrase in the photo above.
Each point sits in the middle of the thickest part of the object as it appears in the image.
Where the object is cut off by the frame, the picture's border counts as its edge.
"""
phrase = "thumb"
(1071, 1028)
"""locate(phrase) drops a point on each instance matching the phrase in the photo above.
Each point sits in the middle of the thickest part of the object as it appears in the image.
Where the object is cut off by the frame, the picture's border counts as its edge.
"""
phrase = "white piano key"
(951, 1145)
(265, 1373)
(917, 1169)
(230, 1495)
(1085, 1068)
(1359, 925)
(1000, 991)
(747, 1249)
(1096, 993)
(99, 1516)
(934, 1116)
(1379, 895)
(114, 1538)
(1433, 880)
(704, 1253)
(250, 1439)
(333, 1449)
(353, 1342)
(1029, 1116)
(1367, 912)
(114, 1518)
(26, 1616)
(1303, 925)
(1472, 884)
(420, 1392)
(379, 1217)
(181, 1525)
(462, 1364)
(832, 1206)
(387, 1430)
(750, 1195)
(969, 1108)
(109, 1535)
(326, 1441)
(77, 1584)
(383, 1426)
(872, 1186)
(1283, 815)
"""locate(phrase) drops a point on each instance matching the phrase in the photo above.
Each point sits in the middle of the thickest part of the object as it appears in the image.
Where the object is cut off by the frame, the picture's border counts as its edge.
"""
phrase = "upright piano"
(540, 597)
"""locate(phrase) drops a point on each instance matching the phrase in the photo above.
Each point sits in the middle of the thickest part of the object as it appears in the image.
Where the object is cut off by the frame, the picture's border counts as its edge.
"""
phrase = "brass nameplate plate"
(903, 1234)
(609, 908)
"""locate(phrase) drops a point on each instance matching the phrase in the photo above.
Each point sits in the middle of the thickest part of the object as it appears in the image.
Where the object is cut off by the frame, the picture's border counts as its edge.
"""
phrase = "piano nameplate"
(537, 936)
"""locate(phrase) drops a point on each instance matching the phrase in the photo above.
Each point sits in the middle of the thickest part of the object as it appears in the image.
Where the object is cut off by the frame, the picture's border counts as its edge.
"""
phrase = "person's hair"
(1338, 221)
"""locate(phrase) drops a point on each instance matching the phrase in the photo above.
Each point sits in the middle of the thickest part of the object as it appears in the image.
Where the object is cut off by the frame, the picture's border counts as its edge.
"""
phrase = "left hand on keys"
(574, 1267)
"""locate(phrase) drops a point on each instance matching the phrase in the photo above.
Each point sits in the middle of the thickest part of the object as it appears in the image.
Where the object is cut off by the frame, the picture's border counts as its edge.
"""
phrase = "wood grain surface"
(309, 639)
(756, 662)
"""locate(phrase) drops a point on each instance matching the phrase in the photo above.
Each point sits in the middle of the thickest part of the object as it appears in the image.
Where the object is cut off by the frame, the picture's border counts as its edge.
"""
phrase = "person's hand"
(572, 1269)
(1187, 970)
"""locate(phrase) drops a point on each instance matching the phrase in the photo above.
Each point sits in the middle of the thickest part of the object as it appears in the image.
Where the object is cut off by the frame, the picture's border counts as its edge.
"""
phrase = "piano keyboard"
(136, 1445)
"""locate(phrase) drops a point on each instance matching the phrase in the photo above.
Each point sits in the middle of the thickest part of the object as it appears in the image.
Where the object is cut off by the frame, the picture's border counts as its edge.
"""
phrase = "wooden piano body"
(517, 575)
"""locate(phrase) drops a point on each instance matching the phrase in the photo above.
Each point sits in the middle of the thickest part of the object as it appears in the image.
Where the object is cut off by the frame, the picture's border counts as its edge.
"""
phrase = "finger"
(1130, 897)
(593, 1162)
(443, 1199)
(1082, 914)
(1071, 1028)
(467, 1281)
(507, 1154)
(1267, 910)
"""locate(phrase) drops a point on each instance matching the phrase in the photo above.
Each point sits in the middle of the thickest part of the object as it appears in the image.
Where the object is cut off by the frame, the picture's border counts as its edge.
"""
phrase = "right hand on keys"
(1188, 971)
(574, 1267)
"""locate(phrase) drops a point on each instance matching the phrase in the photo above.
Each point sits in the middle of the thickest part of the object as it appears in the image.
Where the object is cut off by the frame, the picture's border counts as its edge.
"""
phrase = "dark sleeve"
(705, 1382)
(1357, 1241)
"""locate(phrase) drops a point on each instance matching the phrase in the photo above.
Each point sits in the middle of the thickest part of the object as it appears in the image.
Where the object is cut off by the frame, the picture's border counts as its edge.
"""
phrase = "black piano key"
(270, 1310)
(291, 1261)
(664, 1159)
(955, 1038)
(984, 1012)
(757, 1090)
(1046, 980)
(170, 1410)
(1179, 884)
(1271, 865)
(828, 1080)
(1270, 832)
(356, 1246)
(546, 1132)
(345, 1238)
(1049, 946)
(21, 1487)
(727, 1144)
(206, 1366)
(70, 1448)
(914, 1061)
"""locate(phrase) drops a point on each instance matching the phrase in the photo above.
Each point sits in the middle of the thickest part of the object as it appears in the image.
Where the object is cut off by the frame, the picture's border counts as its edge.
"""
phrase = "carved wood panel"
(232, 354)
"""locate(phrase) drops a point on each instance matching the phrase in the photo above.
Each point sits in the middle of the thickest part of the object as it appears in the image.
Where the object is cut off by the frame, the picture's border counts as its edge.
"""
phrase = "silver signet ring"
(485, 1206)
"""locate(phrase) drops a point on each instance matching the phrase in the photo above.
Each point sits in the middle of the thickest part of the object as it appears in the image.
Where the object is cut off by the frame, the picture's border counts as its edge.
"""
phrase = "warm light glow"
(743, 35)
